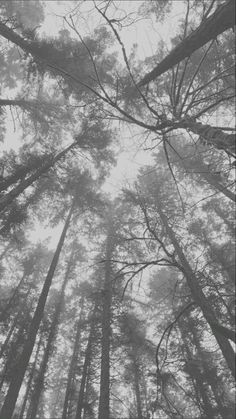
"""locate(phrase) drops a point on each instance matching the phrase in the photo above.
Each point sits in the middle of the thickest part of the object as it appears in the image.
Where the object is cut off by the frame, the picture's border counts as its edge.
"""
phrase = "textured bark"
(221, 20)
(104, 399)
(48, 350)
(20, 369)
(210, 135)
(87, 360)
(14, 193)
(199, 297)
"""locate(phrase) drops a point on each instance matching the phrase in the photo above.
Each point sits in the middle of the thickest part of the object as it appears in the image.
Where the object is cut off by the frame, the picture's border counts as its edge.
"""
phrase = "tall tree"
(20, 369)
(221, 20)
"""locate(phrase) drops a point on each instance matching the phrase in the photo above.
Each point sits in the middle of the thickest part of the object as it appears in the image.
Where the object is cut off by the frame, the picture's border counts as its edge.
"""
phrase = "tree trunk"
(12, 355)
(221, 20)
(14, 323)
(30, 380)
(87, 360)
(9, 180)
(104, 402)
(137, 386)
(48, 350)
(197, 167)
(210, 374)
(72, 364)
(199, 297)
(212, 136)
(14, 193)
(202, 396)
(20, 369)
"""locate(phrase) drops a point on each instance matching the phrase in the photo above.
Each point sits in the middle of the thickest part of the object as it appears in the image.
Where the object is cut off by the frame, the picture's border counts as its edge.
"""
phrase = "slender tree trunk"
(20, 369)
(14, 193)
(30, 379)
(73, 363)
(104, 399)
(87, 360)
(48, 350)
(221, 20)
(199, 297)
(137, 386)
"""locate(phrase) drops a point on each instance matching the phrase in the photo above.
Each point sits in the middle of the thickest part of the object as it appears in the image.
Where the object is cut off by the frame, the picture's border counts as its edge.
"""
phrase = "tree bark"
(221, 20)
(87, 360)
(199, 297)
(212, 136)
(104, 399)
(20, 369)
(14, 193)
(48, 350)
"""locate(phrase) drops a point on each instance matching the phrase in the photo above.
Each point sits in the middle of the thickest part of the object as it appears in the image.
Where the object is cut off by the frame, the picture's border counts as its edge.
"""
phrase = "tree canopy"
(117, 196)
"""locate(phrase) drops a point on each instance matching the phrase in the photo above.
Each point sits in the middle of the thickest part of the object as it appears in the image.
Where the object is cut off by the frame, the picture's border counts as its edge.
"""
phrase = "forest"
(117, 222)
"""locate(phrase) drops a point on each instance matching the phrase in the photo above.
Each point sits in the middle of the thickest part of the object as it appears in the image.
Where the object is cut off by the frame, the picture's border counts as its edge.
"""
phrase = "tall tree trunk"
(199, 297)
(20, 369)
(104, 399)
(73, 363)
(221, 20)
(48, 350)
(30, 379)
(87, 360)
(14, 193)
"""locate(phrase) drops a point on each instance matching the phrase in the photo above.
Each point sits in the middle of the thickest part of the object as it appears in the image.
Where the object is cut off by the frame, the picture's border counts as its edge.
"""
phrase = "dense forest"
(117, 160)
